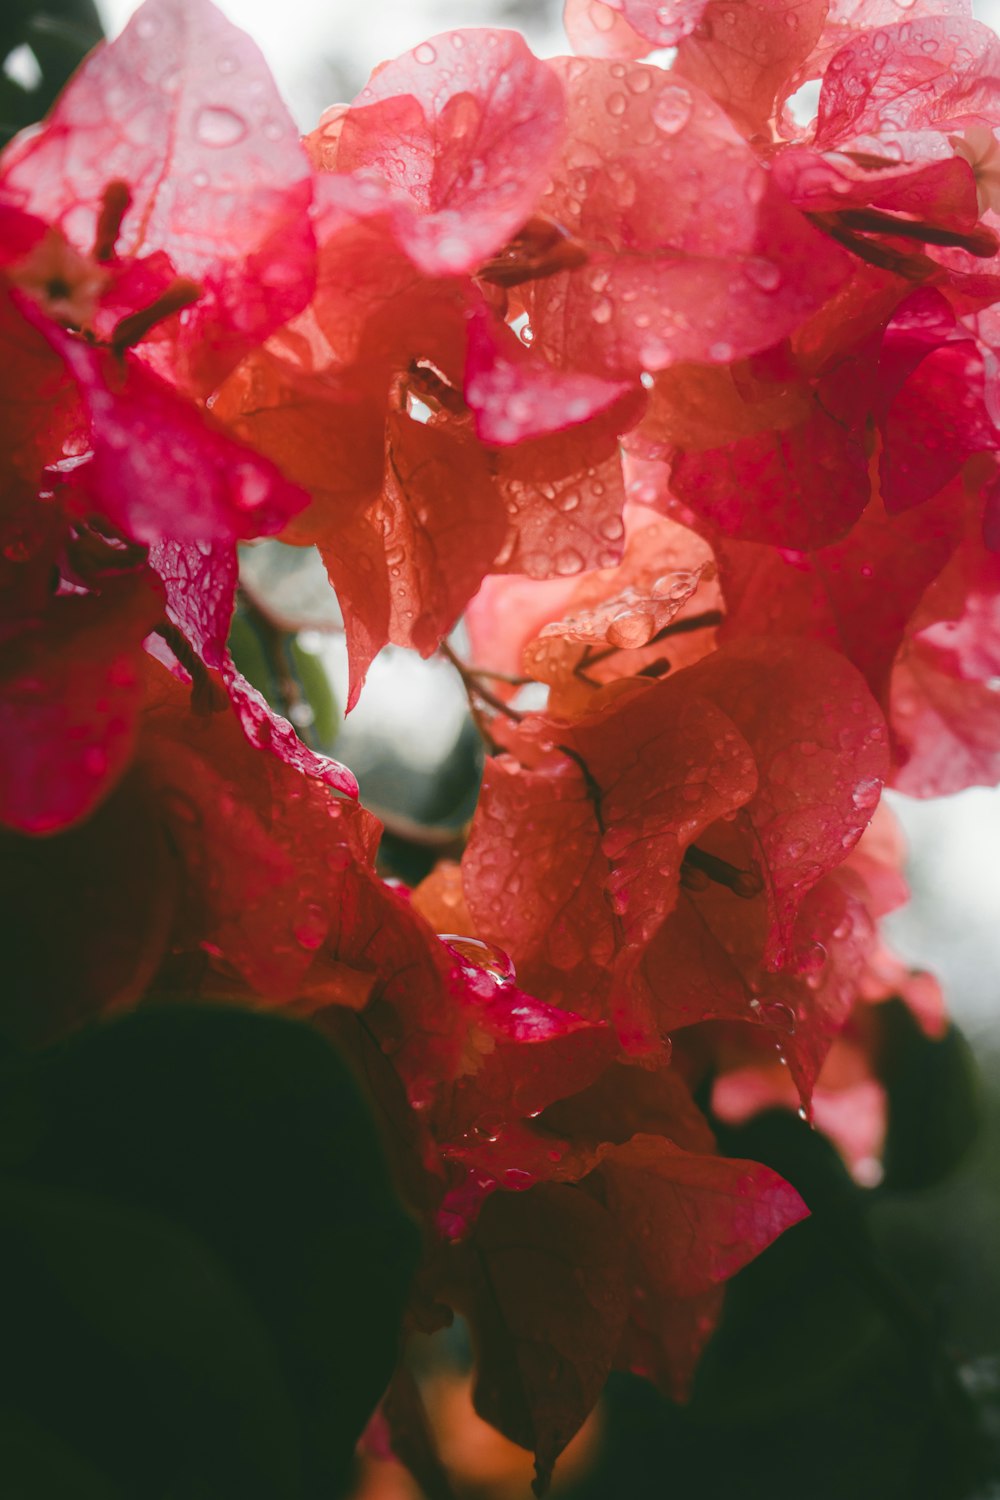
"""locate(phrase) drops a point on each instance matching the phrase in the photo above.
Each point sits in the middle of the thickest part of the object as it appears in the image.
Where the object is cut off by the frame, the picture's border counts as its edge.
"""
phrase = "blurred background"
(860, 1357)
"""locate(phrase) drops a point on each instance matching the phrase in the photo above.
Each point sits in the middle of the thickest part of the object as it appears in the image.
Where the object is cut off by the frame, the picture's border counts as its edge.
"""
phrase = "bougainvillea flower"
(782, 436)
(577, 633)
(856, 594)
(514, 397)
(464, 130)
(439, 341)
(933, 72)
(641, 1223)
(618, 822)
(745, 55)
(202, 845)
(593, 27)
(944, 706)
(70, 700)
(713, 270)
(606, 817)
(182, 110)
(848, 1101)
(365, 407)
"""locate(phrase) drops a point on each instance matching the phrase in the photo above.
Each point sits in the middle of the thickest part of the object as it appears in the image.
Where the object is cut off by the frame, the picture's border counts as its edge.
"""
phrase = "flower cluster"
(692, 408)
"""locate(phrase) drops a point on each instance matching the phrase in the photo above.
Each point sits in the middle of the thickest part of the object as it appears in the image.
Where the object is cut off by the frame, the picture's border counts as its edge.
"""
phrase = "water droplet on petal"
(476, 954)
(95, 761)
(763, 273)
(672, 110)
(780, 1016)
(311, 927)
(568, 562)
(216, 126)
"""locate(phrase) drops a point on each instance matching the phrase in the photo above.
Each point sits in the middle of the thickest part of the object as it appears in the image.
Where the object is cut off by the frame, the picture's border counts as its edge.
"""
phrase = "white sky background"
(321, 52)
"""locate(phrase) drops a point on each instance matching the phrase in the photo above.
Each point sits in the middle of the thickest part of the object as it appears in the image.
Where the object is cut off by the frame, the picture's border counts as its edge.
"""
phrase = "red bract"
(647, 1298)
(463, 130)
(514, 397)
(227, 851)
(712, 271)
(490, 298)
(945, 707)
(142, 434)
(70, 696)
(601, 826)
(183, 111)
(820, 772)
(762, 484)
(856, 594)
(839, 1051)
(744, 55)
(594, 28)
(933, 72)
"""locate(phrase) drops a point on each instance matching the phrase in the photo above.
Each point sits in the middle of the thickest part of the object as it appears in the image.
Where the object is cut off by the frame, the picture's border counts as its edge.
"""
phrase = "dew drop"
(763, 273)
(672, 110)
(779, 1015)
(568, 562)
(216, 126)
(249, 487)
(630, 629)
(425, 54)
(601, 16)
(95, 761)
(602, 310)
(479, 955)
(311, 927)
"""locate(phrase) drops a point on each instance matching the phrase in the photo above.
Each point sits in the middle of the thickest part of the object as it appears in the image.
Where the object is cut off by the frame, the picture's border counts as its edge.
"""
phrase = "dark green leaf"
(248, 1135)
(293, 681)
(128, 1334)
(57, 34)
(933, 1101)
(37, 1464)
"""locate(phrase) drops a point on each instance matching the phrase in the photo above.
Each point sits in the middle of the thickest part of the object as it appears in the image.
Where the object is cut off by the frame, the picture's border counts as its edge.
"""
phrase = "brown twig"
(474, 688)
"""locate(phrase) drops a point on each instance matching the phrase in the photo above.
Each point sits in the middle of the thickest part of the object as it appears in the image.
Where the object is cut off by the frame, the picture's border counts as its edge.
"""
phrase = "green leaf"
(244, 1135)
(293, 681)
(128, 1333)
(36, 1464)
(934, 1109)
(58, 34)
(824, 1379)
